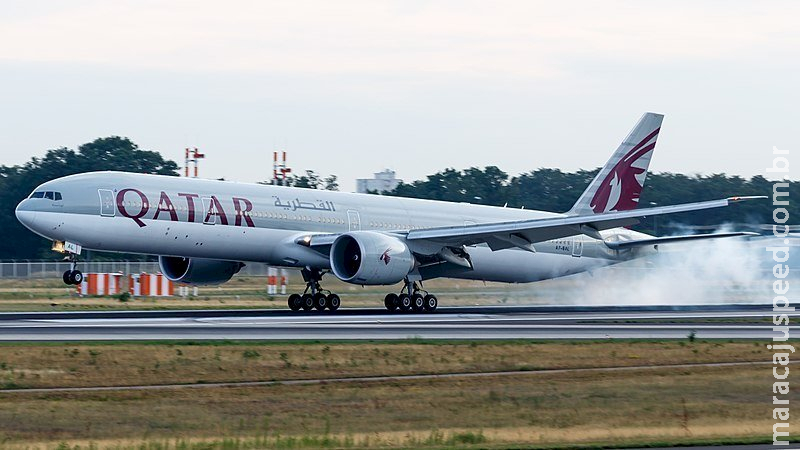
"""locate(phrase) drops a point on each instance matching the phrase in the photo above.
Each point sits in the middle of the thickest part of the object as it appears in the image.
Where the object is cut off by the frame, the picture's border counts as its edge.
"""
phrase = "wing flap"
(670, 239)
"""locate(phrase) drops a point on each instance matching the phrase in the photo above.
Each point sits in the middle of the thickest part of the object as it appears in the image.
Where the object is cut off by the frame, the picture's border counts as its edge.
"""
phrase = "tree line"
(545, 189)
(17, 182)
(109, 153)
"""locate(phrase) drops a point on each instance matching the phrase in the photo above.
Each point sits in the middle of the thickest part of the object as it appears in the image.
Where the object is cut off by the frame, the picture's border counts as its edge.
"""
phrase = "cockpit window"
(50, 195)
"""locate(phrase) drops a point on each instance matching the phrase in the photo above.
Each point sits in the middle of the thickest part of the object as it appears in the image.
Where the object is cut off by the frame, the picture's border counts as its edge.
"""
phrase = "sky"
(353, 87)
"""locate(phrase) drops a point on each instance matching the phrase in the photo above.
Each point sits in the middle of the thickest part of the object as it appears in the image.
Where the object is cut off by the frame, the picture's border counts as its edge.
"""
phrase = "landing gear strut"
(73, 276)
(314, 297)
(411, 298)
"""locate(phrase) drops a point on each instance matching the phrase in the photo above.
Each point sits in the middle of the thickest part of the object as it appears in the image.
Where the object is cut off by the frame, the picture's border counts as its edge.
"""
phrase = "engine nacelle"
(367, 257)
(198, 270)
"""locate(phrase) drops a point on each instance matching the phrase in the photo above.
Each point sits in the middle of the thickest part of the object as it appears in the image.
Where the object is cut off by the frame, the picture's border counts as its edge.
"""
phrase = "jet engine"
(198, 270)
(367, 257)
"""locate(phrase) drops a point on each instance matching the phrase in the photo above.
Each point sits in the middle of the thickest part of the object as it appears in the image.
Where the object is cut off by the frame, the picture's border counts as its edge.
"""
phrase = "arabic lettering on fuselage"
(296, 204)
(208, 206)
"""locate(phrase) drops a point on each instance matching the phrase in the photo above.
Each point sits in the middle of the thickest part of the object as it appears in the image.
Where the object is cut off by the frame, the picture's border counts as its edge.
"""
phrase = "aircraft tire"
(295, 302)
(307, 302)
(320, 301)
(333, 302)
(391, 301)
(431, 303)
(76, 277)
(404, 302)
(417, 303)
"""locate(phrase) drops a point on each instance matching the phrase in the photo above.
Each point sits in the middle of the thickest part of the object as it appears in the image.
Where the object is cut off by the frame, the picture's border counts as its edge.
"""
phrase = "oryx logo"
(621, 187)
(385, 257)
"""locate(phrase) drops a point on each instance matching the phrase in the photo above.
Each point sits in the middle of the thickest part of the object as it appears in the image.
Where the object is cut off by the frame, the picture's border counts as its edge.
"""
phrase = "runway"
(539, 323)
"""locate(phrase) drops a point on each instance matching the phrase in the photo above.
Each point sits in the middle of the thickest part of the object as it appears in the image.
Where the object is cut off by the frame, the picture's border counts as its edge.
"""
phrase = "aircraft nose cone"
(25, 215)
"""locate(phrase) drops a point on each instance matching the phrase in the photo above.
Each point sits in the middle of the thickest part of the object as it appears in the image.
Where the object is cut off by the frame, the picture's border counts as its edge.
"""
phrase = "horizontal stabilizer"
(670, 239)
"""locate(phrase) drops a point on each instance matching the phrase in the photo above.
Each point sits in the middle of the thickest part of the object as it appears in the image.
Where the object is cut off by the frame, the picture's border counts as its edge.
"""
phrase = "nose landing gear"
(73, 276)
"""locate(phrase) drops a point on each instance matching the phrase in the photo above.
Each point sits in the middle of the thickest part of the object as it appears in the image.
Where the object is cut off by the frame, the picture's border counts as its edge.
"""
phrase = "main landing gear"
(411, 298)
(73, 276)
(314, 297)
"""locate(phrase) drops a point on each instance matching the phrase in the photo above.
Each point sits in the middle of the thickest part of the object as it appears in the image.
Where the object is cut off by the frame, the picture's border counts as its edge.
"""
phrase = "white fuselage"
(161, 215)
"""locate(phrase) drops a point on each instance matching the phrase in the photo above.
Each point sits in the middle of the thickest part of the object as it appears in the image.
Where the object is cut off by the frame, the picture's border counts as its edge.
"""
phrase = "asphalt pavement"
(540, 323)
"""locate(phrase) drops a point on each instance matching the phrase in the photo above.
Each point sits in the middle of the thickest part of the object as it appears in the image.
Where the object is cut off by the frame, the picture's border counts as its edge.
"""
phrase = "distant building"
(383, 181)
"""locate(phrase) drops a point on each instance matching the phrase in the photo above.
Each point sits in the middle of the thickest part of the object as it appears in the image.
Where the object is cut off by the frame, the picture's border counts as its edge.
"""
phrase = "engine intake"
(198, 270)
(367, 257)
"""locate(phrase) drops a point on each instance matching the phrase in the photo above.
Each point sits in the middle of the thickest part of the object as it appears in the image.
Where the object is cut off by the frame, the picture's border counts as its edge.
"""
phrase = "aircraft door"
(354, 220)
(577, 246)
(209, 213)
(106, 202)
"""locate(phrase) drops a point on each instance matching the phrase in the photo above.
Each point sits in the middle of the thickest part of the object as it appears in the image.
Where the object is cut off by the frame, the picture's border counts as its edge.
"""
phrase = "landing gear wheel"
(76, 277)
(66, 277)
(431, 303)
(404, 302)
(391, 301)
(295, 302)
(320, 302)
(417, 302)
(307, 302)
(333, 302)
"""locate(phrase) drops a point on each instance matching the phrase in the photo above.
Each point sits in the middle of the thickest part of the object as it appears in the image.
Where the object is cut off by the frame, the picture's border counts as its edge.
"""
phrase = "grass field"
(664, 406)
(120, 364)
(635, 407)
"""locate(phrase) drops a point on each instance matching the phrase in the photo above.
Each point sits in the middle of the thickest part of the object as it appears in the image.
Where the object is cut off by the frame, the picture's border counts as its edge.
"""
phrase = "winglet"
(745, 198)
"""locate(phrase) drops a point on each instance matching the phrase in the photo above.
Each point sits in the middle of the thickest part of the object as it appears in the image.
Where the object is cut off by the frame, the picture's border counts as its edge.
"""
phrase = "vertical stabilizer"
(619, 183)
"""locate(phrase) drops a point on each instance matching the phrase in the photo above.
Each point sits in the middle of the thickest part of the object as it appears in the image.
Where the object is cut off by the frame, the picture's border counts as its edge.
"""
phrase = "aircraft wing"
(670, 239)
(523, 233)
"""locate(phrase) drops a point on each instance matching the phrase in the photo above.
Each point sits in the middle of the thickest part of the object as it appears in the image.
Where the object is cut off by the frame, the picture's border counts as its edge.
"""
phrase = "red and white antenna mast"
(186, 164)
(279, 169)
(192, 156)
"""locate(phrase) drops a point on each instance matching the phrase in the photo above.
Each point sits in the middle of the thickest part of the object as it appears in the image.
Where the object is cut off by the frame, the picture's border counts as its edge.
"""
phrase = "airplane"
(204, 231)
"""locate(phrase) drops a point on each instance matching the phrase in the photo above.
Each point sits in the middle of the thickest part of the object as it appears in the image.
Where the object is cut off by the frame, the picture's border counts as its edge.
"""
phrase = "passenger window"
(48, 195)
(58, 196)
(39, 194)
